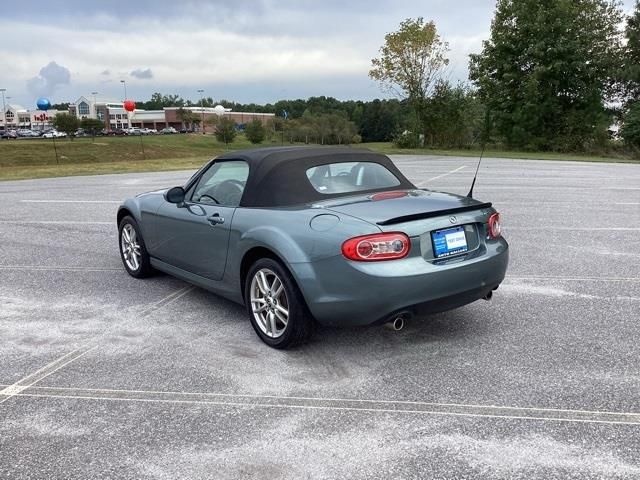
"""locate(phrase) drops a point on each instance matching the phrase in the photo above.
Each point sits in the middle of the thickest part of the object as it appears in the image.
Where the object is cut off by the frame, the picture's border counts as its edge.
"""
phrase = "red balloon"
(129, 105)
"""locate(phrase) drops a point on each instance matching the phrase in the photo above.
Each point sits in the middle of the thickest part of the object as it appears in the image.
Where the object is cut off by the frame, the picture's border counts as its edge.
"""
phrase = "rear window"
(348, 177)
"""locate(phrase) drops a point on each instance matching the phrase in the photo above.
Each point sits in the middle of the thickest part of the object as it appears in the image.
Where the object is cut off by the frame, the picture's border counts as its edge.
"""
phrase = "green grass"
(389, 149)
(21, 159)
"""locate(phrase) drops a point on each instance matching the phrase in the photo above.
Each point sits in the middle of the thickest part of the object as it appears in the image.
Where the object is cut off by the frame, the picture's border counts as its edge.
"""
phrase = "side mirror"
(175, 195)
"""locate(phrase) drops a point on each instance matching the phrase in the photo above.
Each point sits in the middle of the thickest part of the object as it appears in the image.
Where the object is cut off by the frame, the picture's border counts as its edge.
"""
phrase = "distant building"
(114, 116)
(19, 117)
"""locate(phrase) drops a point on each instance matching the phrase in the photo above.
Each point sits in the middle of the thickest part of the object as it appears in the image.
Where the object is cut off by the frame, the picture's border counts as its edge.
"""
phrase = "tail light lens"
(494, 229)
(372, 248)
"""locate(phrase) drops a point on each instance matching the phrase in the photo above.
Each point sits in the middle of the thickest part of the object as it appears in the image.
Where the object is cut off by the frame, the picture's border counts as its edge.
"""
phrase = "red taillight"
(371, 248)
(493, 229)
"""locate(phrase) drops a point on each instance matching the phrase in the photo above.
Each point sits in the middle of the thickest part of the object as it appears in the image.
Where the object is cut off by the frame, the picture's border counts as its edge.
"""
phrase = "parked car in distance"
(118, 132)
(26, 133)
(168, 131)
(54, 134)
(8, 135)
(337, 236)
(134, 131)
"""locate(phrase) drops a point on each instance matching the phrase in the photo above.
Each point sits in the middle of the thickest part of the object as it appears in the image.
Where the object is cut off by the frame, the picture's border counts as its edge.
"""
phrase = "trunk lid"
(410, 211)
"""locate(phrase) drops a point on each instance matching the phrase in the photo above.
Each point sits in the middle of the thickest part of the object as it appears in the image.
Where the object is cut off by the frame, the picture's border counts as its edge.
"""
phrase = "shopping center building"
(17, 117)
(114, 116)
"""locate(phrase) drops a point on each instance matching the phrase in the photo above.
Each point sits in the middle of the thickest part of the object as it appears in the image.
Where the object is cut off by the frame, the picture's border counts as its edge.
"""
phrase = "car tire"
(133, 251)
(299, 325)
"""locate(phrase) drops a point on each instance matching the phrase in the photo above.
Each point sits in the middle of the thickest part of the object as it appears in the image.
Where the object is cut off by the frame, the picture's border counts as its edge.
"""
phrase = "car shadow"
(452, 326)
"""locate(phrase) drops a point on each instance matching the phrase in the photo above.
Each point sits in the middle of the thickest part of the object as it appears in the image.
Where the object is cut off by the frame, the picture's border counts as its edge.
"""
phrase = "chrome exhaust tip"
(488, 296)
(397, 322)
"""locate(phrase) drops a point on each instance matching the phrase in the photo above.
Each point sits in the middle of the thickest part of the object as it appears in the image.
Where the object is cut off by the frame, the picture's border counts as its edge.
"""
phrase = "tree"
(225, 130)
(63, 122)
(454, 116)
(211, 122)
(255, 131)
(158, 101)
(187, 117)
(630, 60)
(631, 128)
(383, 119)
(411, 61)
(64, 106)
(92, 126)
(543, 73)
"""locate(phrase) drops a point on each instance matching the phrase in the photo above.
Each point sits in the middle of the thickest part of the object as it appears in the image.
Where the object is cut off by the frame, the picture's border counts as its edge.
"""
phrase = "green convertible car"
(300, 235)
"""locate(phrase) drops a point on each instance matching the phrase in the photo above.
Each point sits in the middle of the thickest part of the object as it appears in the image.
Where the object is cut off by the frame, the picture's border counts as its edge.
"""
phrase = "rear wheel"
(276, 308)
(132, 249)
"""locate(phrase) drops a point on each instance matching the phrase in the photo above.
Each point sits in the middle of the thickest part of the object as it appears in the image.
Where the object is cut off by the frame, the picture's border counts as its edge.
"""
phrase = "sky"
(247, 51)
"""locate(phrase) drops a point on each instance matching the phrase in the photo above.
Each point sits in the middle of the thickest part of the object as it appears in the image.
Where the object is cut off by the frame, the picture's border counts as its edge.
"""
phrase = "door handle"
(215, 219)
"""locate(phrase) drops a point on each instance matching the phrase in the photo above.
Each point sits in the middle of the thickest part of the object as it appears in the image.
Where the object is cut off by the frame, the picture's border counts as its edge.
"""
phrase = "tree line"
(558, 75)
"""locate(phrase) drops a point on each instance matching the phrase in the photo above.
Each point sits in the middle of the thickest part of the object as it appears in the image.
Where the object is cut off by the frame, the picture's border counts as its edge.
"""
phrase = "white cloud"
(143, 74)
(48, 79)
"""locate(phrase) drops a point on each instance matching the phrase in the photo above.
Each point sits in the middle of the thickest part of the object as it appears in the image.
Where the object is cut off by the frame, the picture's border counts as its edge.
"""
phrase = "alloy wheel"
(130, 247)
(269, 303)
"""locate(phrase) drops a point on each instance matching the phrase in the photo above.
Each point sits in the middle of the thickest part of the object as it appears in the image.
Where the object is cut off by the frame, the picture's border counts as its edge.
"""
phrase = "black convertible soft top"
(277, 175)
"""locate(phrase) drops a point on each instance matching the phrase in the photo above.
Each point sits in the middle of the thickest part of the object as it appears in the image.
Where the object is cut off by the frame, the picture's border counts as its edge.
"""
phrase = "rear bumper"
(344, 293)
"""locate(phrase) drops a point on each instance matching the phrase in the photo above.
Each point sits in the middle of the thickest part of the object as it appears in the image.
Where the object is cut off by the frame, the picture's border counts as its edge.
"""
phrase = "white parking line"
(27, 382)
(53, 222)
(43, 372)
(70, 201)
(573, 279)
(340, 404)
(440, 176)
(61, 269)
(581, 229)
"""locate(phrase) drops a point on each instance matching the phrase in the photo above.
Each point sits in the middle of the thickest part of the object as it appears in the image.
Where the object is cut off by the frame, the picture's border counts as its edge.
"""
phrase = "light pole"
(202, 111)
(95, 107)
(124, 83)
(4, 110)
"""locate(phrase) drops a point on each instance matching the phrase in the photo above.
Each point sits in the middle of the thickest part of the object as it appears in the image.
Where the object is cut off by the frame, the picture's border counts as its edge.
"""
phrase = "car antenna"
(484, 144)
(473, 184)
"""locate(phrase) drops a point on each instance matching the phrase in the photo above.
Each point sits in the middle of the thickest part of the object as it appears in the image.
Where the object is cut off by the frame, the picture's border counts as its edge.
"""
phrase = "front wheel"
(133, 251)
(276, 308)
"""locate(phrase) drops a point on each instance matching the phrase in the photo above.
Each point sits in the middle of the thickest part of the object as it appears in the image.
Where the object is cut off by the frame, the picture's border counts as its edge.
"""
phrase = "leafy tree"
(64, 106)
(92, 126)
(454, 116)
(411, 62)
(382, 119)
(226, 130)
(631, 128)
(630, 60)
(64, 122)
(187, 117)
(255, 131)
(211, 122)
(543, 73)
(159, 100)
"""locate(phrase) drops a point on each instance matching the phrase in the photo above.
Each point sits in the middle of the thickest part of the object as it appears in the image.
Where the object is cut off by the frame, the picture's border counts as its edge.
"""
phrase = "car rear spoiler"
(435, 213)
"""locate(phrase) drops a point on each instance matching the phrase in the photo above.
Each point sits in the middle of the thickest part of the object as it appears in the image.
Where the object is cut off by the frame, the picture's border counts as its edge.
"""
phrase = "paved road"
(104, 376)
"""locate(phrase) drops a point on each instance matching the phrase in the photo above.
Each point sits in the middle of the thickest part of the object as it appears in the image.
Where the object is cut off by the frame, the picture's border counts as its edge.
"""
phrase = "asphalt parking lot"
(105, 376)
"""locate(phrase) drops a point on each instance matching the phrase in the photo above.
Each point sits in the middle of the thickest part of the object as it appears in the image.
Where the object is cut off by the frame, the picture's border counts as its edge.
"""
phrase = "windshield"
(348, 177)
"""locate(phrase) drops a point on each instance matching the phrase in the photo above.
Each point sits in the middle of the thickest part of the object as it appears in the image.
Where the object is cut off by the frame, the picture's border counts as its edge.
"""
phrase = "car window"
(347, 177)
(222, 184)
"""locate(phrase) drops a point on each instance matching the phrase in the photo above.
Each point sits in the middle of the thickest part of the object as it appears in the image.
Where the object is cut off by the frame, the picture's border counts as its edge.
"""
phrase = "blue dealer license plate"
(451, 241)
